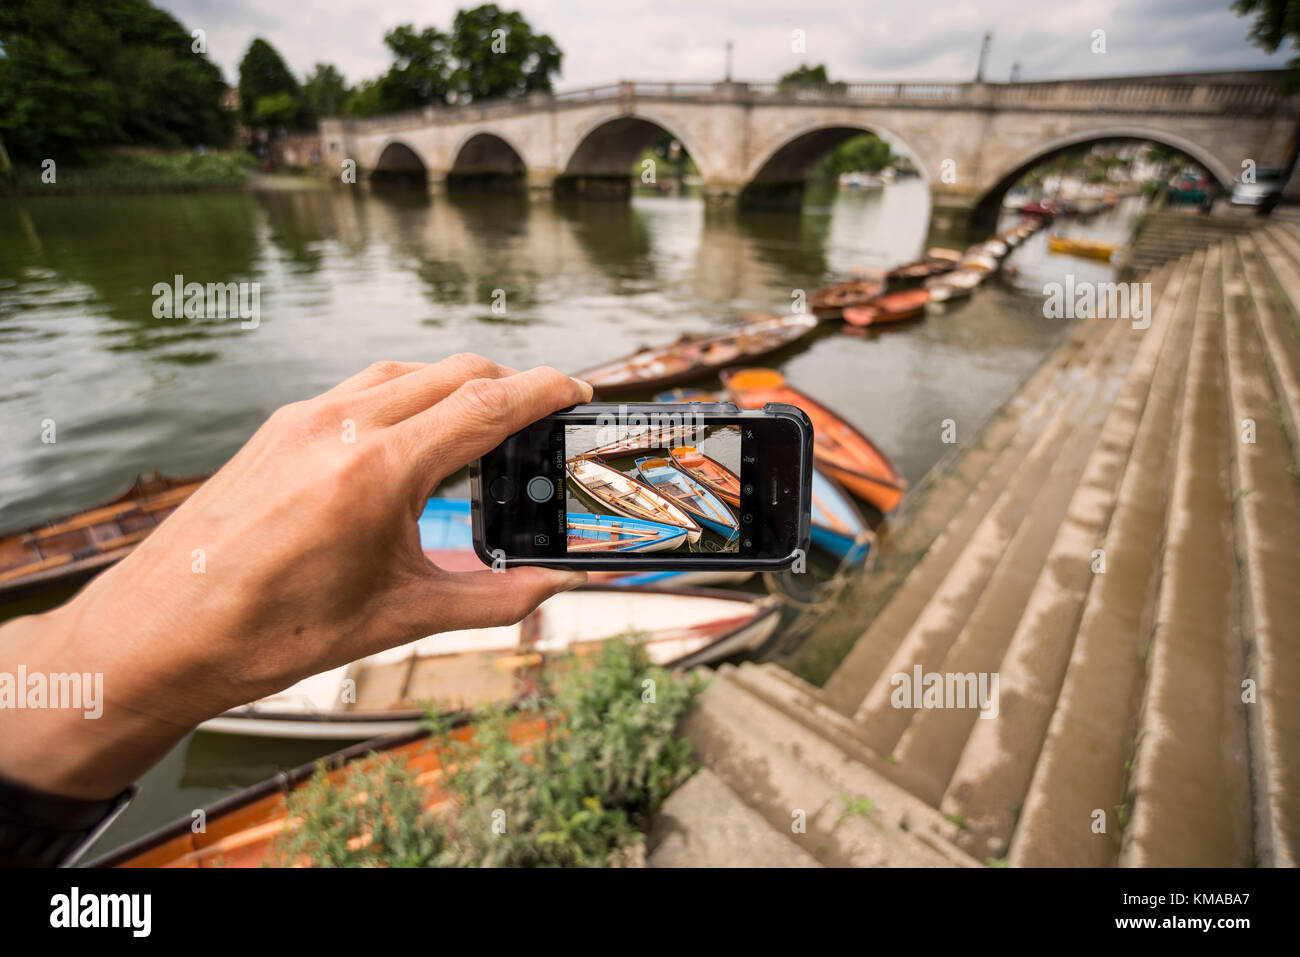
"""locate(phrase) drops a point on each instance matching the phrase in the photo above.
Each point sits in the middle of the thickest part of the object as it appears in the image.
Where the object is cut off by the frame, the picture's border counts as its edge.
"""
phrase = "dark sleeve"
(48, 830)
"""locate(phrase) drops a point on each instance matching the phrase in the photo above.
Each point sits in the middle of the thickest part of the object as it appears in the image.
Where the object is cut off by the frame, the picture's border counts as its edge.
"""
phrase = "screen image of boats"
(653, 488)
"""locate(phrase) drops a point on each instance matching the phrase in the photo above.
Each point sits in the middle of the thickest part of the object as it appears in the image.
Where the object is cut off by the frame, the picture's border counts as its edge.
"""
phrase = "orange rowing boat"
(890, 307)
(842, 451)
(712, 474)
(240, 831)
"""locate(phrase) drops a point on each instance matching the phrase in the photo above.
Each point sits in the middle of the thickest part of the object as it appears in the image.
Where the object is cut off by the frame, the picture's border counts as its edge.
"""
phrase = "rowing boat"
(614, 533)
(954, 284)
(939, 252)
(688, 492)
(621, 494)
(1087, 248)
(241, 830)
(644, 439)
(843, 452)
(70, 550)
(691, 357)
(890, 307)
(977, 260)
(384, 693)
(710, 473)
(920, 270)
(828, 303)
(837, 525)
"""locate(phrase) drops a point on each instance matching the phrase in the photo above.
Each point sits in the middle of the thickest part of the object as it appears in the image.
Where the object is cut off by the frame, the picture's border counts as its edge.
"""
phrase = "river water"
(348, 276)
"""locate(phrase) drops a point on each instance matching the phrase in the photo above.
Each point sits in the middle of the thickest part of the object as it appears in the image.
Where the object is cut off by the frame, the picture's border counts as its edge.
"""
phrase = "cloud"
(686, 39)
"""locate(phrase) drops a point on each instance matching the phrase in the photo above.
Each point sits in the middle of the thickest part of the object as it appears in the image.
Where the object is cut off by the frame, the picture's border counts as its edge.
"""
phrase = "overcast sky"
(606, 40)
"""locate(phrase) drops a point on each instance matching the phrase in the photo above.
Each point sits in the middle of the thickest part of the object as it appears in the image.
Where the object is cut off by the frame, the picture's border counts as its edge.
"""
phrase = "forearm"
(93, 735)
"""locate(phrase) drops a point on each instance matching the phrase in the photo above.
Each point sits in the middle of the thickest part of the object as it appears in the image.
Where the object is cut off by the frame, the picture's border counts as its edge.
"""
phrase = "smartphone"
(650, 487)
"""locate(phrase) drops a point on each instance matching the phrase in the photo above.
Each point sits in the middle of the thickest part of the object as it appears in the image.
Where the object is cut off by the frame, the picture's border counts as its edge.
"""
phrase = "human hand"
(301, 554)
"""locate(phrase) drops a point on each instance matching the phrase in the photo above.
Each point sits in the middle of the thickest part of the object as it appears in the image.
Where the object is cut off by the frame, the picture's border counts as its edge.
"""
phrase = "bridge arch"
(486, 157)
(778, 170)
(396, 160)
(986, 209)
(607, 148)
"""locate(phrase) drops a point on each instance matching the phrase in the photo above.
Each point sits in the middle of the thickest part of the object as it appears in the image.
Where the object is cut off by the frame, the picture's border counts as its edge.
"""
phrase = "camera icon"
(541, 539)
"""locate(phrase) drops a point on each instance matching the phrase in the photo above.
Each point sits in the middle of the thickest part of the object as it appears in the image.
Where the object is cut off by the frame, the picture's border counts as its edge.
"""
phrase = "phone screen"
(650, 486)
(655, 489)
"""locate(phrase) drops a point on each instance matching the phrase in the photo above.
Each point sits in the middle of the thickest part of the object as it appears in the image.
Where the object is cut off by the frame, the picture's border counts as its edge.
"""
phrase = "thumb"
(485, 599)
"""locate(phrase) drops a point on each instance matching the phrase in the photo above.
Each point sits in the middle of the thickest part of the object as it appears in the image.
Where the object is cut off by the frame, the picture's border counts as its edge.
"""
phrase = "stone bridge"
(756, 142)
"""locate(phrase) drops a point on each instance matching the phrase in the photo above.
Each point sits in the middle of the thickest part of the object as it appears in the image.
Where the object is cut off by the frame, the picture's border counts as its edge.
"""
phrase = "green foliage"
(808, 77)
(324, 92)
(578, 796)
(1276, 22)
(867, 152)
(132, 172)
(263, 75)
(77, 75)
(276, 111)
(383, 803)
(431, 67)
(497, 54)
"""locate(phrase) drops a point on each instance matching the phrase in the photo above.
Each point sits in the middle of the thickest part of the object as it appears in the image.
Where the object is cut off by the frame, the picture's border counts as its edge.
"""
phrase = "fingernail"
(586, 388)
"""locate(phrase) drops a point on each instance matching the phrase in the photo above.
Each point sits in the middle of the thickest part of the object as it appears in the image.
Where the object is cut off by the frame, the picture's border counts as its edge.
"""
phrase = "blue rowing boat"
(614, 533)
(837, 524)
(688, 492)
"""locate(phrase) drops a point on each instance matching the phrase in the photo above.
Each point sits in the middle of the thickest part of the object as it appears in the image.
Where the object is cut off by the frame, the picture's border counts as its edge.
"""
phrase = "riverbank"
(134, 172)
(1107, 574)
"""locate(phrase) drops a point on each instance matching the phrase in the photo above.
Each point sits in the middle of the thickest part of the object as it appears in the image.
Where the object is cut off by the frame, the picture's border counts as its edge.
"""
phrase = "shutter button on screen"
(540, 488)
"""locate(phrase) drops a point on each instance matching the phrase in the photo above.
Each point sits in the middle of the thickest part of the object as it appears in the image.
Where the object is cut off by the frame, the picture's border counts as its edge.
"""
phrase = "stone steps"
(981, 768)
(705, 824)
(1267, 497)
(934, 515)
(833, 807)
(950, 602)
(1190, 787)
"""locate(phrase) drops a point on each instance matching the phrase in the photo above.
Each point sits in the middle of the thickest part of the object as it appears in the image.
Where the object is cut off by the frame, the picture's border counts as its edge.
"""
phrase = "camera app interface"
(653, 487)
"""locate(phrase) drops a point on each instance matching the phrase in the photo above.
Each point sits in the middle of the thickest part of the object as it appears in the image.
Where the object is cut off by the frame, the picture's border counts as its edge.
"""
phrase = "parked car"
(1264, 193)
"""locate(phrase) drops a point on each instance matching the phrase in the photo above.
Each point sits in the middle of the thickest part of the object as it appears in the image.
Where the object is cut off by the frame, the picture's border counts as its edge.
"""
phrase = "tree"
(418, 77)
(864, 153)
(76, 75)
(1276, 22)
(808, 77)
(263, 73)
(324, 92)
(498, 54)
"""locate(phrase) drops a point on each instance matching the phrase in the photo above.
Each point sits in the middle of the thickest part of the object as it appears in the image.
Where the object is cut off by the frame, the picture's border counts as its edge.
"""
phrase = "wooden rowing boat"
(890, 307)
(691, 357)
(70, 550)
(939, 252)
(384, 693)
(611, 490)
(711, 473)
(614, 533)
(843, 452)
(954, 284)
(688, 492)
(1086, 248)
(911, 273)
(828, 303)
(642, 440)
(241, 830)
(837, 525)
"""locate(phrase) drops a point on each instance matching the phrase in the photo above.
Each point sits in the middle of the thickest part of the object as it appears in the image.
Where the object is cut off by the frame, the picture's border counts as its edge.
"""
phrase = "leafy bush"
(580, 795)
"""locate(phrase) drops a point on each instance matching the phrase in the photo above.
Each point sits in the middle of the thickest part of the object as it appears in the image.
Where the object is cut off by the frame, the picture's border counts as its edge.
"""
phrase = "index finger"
(480, 414)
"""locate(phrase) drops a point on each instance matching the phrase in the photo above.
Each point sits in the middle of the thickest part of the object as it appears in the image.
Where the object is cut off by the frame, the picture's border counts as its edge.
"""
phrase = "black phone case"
(649, 563)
